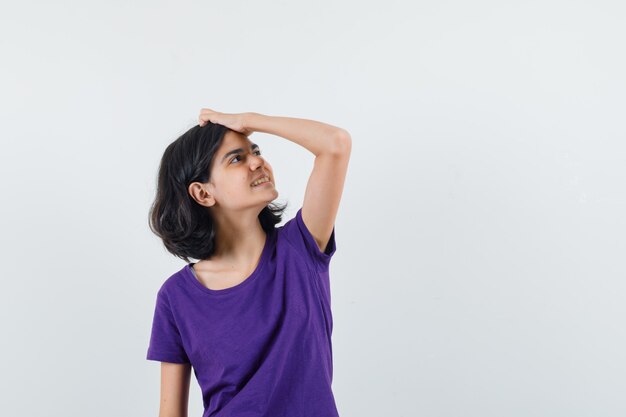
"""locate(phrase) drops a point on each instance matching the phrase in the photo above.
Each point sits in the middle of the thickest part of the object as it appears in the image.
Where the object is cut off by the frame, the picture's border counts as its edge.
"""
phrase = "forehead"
(234, 140)
(234, 143)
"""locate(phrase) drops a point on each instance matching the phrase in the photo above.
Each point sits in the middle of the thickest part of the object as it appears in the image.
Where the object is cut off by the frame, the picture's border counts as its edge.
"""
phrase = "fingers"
(205, 116)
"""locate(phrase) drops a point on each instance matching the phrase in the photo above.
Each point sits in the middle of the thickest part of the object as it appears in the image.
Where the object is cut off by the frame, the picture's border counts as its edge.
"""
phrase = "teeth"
(260, 181)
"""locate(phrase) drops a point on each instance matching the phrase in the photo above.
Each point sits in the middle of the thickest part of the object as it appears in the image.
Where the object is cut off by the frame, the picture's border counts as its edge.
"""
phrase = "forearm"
(317, 137)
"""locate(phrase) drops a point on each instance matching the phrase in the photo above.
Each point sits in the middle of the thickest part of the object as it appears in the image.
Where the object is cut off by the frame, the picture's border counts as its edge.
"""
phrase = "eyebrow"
(238, 150)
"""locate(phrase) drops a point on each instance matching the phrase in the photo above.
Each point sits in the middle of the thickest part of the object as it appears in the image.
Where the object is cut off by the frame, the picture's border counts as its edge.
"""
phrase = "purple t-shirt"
(262, 347)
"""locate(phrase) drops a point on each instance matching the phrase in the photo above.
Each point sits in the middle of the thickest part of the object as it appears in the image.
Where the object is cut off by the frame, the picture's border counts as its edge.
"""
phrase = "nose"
(256, 161)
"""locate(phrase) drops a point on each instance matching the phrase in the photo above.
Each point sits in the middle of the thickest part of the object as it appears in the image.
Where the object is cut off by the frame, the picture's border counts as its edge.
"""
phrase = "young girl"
(253, 316)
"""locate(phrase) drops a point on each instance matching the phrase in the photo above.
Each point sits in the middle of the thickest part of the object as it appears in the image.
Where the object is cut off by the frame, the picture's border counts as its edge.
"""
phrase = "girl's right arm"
(175, 378)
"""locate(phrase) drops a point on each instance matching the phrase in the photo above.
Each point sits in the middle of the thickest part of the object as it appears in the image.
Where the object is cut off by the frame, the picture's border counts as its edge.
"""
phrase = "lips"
(259, 177)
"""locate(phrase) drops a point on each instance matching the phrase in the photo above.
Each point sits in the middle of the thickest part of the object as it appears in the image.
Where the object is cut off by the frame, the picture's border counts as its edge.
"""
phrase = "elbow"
(343, 143)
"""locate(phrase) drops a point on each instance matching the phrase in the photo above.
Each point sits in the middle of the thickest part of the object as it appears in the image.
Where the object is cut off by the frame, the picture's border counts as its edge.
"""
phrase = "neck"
(239, 238)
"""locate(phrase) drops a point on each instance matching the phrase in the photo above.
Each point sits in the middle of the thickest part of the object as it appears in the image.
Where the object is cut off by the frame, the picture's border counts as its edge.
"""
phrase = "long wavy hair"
(187, 228)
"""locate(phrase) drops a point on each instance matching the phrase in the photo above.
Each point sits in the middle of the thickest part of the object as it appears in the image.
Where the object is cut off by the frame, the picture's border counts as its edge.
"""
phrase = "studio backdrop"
(479, 266)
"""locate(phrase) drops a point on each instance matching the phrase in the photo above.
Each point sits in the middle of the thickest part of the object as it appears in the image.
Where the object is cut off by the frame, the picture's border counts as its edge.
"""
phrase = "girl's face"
(236, 165)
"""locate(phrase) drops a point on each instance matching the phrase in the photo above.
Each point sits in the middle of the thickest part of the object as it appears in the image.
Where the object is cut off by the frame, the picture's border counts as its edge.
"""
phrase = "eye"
(258, 152)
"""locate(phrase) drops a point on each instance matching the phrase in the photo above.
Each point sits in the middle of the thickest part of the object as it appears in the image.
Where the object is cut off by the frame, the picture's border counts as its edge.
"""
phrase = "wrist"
(250, 120)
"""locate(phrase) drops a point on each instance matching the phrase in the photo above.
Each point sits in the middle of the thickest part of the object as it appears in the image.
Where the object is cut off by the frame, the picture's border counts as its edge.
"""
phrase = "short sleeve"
(301, 238)
(165, 341)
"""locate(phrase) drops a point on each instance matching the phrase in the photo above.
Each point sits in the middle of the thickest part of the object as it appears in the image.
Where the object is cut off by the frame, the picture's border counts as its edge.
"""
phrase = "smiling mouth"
(260, 181)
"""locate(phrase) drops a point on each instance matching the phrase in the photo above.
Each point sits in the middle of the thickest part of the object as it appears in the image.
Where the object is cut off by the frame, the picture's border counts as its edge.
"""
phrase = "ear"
(201, 194)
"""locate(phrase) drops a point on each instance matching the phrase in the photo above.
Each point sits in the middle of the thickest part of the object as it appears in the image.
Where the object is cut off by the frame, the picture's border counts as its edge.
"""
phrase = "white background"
(480, 241)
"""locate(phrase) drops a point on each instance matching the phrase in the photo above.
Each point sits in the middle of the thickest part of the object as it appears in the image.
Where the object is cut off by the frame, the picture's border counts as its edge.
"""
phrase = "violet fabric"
(262, 347)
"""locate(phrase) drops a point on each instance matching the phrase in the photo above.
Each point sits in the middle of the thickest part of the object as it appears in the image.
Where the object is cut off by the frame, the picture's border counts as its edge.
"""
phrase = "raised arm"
(331, 146)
